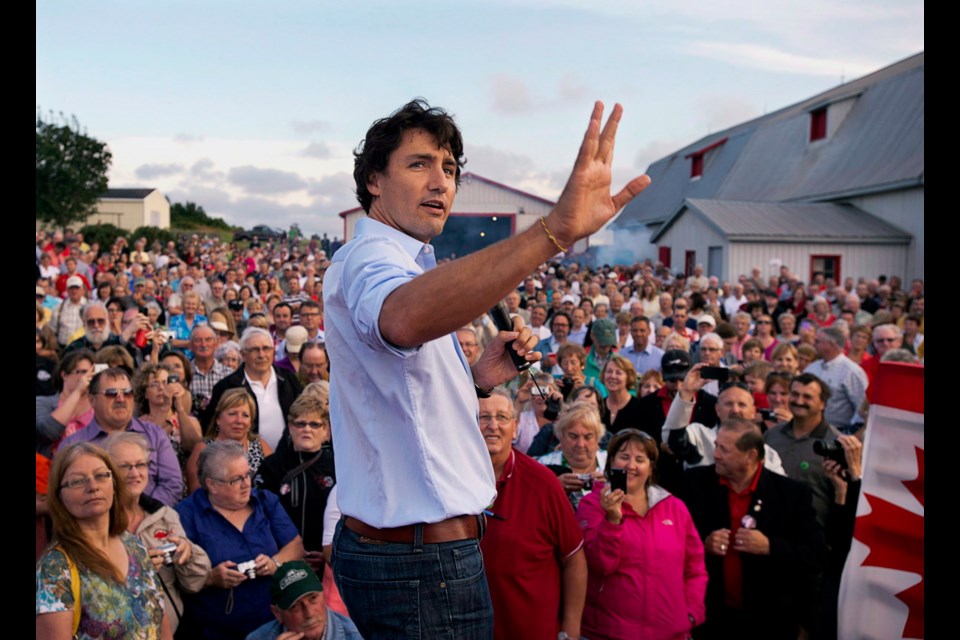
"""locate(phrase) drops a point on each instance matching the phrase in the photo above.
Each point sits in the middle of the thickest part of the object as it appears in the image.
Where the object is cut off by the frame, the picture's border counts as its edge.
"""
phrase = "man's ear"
(275, 610)
(373, 183)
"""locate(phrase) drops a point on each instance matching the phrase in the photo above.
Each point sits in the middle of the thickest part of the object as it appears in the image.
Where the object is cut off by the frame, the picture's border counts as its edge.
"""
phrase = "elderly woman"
(302, 475)
(157, 525)
(69, 409)
(647, 577)
(860, 338)
(181, 325)
(623, 409)
(162, 399)
(228, 354)
(98, 581)
(788, 327)
(247, 535)
(532, 409)
(232, 420)
(579, 461)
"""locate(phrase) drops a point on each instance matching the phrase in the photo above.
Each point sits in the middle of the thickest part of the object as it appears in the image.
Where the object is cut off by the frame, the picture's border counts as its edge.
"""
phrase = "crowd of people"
(656, 471)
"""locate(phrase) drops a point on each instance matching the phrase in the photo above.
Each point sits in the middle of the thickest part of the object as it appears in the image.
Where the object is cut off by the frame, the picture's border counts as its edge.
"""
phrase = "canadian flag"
(881, 593)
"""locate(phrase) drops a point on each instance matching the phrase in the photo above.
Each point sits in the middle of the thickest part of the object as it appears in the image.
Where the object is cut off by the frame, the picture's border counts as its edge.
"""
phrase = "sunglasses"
(113, 393)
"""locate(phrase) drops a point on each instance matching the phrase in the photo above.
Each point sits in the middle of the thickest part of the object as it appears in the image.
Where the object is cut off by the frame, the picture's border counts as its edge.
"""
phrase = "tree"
(71, 170)
(192, 216)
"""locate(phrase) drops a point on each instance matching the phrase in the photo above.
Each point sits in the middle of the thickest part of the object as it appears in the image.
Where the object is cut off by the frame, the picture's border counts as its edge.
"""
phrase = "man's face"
(203, 343)
(537, 317)
(662, 334)
(741, 325)
(314, 366)
(560, 328)
(640, 332)
(824, 346)
(282, 318)
(735, 402)
(293, 283)
(308, 616)
(732, 463)
(74, 293)
(415, 192)
(513, 301)
(679, 317)
(310, 319)
(710, 352)
(97, 326)
(468, 343)
(578, 318)
(498, 426)
(113, 412)
(258, 354)
(216, 289)
(886, 338)
(805, 400)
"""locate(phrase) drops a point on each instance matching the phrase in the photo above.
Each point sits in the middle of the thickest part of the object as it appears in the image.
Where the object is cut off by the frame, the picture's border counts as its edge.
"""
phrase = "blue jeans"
(428, 591)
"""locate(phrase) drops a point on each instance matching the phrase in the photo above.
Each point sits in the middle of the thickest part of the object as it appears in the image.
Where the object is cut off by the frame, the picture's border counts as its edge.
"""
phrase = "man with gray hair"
(846, 379)
(97, 333)
(207, 372)
(273, 389)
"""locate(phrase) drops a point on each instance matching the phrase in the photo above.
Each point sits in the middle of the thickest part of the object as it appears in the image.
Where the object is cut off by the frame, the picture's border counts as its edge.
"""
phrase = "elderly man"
(207, 372)
(666, 310)
(764, 548)
(734, 301)
(418, 400)
(852, 304)
(538, 319)
(695, 442)
(97, 333)
(66, 318)
(533, 546)
(847, 381)
(272, 388)
(467, 338)
(314, 365)
(794, 440)
(113, 412)
(216, 298)
(698, 280)
(643, 354)
(886, 337)
(297, 603)
(512, 302)
(710, 351)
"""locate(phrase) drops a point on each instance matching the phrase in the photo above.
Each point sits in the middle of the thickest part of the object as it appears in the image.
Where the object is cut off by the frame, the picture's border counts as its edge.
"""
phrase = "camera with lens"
(248, 568)
(167, 549)
(831, 450)
(553, 409)
(587, 480)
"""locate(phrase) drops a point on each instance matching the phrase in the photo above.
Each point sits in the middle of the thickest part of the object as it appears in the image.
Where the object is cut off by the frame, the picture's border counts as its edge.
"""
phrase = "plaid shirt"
(202, 385)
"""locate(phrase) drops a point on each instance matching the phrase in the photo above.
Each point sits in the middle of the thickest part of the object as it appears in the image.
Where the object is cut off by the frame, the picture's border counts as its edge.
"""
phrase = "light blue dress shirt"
(409, 448)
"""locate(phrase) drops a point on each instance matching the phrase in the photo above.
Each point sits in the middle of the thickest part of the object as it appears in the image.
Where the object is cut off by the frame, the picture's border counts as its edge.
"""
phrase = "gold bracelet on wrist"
(553, 238)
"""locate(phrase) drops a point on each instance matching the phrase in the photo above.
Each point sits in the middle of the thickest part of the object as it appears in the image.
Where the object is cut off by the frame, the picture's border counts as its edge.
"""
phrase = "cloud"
(265, 181)
(776, 60)
(151, 171)
(187, 138)
(318, 150)
(723, 111)
(203, 170)
(334, 193)
(310, 126)
(510, 95)
(503, 166)
(571, 89)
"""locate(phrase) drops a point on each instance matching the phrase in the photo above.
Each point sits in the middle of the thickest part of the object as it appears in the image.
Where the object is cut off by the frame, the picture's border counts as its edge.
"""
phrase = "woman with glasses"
(302, 474)
(247, 535)
(232, 420)
(647, 577)
(97, 581)
(184, 569)
(162, 399)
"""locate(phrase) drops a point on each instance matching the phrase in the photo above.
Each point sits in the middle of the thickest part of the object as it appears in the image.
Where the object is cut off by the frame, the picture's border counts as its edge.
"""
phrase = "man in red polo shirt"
(533, 547)
(764, 548)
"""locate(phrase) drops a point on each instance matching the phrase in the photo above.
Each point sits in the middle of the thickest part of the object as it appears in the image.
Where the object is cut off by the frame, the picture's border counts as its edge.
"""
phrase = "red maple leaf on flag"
(895, 539)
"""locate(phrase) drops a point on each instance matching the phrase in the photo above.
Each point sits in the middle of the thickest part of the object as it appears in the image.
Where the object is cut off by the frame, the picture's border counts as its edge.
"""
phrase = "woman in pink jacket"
(647, 577)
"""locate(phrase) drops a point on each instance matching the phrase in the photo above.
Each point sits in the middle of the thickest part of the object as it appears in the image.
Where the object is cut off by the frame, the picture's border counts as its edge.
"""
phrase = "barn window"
(818, 124)
(828, 265)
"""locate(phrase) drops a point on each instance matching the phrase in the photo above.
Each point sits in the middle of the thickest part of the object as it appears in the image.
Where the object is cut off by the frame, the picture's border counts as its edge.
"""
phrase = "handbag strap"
(74, 588)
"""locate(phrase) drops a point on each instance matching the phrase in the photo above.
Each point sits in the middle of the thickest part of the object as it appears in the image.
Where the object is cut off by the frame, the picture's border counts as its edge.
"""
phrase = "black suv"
(262, 231)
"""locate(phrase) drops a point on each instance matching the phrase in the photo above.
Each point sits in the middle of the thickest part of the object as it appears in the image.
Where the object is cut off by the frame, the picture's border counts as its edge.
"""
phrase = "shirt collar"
(752, 488)
(369, 226)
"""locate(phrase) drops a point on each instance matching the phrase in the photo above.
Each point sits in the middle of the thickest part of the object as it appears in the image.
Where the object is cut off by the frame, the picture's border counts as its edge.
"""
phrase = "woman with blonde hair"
(579, 461)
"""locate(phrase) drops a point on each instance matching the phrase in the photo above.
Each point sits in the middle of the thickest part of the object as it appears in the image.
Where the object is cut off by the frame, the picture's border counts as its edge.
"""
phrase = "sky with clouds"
(252, 109)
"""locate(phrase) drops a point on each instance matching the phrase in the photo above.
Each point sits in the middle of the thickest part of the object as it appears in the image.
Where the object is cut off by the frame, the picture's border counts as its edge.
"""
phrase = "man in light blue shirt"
(643, 354)
(413, 472)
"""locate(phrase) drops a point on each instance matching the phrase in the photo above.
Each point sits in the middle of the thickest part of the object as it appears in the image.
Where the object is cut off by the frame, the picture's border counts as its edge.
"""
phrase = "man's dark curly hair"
(384, 136)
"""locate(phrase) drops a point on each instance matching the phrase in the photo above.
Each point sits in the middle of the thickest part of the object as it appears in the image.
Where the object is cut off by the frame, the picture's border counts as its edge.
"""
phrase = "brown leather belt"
(449, 530)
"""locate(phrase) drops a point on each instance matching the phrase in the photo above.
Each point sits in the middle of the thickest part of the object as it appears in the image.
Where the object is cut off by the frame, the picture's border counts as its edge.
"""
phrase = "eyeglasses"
(258, 349)
(139, 466)
(81, 482)
(882, 340)
(500, 418)
(96, 322)
(247, 477)
(468, 345)
(113, 393)
(303, 424)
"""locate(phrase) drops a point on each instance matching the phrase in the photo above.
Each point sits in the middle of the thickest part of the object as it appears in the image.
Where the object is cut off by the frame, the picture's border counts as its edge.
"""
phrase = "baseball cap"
(707, 319)
(295, 338)
(74, 281)
(41, 291)
(604, 332)
(675, 364)
(292, 581)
